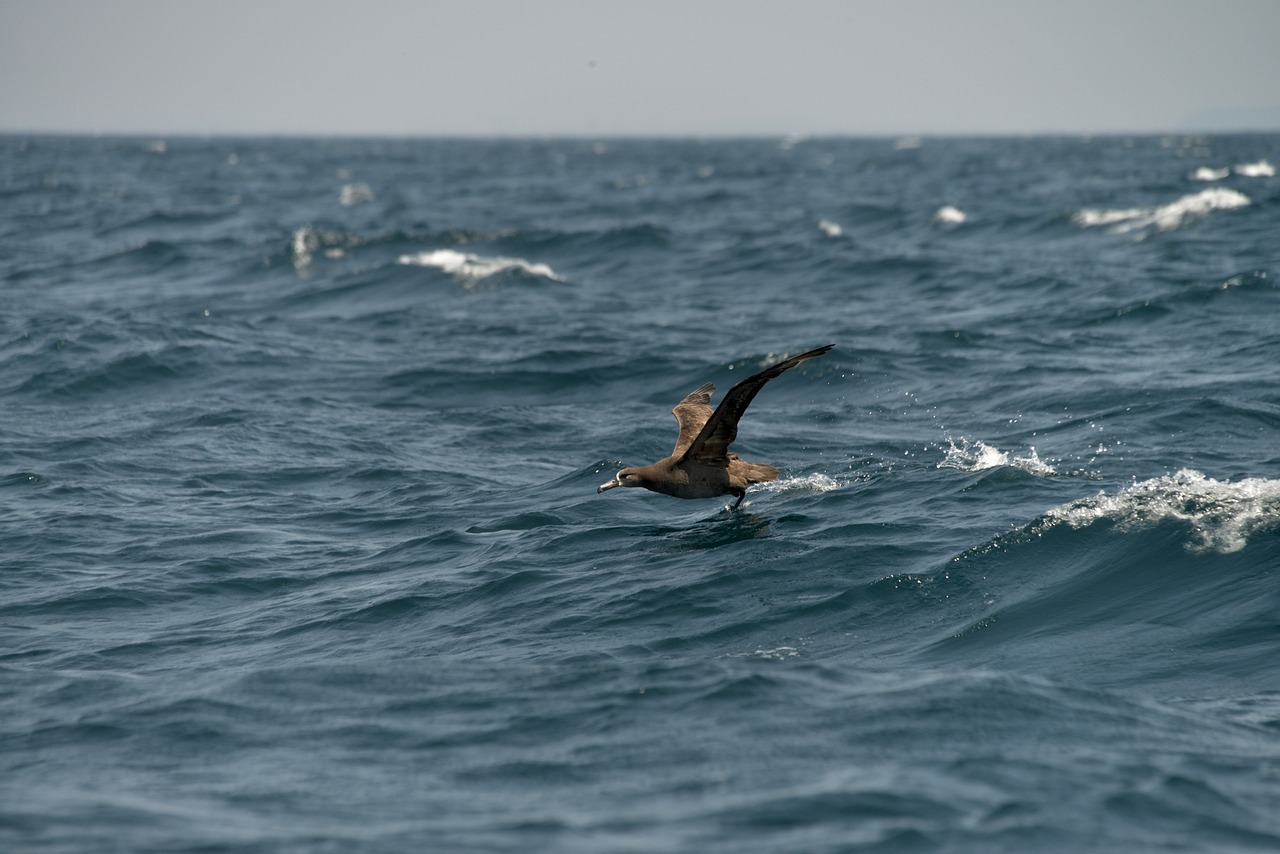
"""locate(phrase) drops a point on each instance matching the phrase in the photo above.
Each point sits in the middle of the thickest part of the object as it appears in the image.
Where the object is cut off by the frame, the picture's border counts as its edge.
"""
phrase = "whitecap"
(471, 268)
(1261, 169)
(829, 228)
(949, 214)
(1222, 514)
(306, 242)
(302, 245)
(355, 194)
(1208, 173)
(1164, 217)
(979, 456)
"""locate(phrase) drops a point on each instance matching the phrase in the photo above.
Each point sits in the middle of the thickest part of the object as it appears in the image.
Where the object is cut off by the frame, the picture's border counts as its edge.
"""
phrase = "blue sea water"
(301, 549)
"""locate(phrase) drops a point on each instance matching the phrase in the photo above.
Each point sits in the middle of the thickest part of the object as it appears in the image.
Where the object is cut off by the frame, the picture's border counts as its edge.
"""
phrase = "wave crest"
(1260, 169)
(949, 215)
(1164, 217)
(471, 268)
(1223, 515)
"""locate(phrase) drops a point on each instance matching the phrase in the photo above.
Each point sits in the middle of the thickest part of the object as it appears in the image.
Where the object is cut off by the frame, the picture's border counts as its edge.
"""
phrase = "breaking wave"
(949, 215)
(1258, 169)
(1208, 173)
(1164, 217)
(1223, 515)
(471, 268)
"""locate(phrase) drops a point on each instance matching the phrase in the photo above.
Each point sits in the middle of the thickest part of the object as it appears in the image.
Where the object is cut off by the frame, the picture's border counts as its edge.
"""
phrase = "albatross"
(701, 466)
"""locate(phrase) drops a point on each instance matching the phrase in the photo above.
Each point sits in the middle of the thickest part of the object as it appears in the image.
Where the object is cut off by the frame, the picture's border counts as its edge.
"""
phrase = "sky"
(638, 68)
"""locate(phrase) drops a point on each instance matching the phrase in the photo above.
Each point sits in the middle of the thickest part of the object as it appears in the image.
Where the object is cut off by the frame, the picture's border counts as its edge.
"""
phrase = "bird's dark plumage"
(701, 465)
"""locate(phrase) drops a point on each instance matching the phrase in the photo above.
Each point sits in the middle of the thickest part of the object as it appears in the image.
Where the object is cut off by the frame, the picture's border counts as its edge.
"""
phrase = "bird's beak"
(610, 485)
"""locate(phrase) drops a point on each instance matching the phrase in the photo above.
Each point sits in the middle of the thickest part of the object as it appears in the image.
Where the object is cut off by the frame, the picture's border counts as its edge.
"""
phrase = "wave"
(1208, 173)
(1259, 169)
(949, 215)
(492, 251)
(1164, 217)
(471, 268)
(1162, 585)
(1222, 515)
(308, 241)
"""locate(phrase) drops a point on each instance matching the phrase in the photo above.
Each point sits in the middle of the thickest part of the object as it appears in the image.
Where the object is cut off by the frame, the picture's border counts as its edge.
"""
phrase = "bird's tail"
(760, 472)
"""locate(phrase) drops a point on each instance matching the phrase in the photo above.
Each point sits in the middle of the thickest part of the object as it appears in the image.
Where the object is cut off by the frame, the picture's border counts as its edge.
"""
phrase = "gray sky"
(643, 67)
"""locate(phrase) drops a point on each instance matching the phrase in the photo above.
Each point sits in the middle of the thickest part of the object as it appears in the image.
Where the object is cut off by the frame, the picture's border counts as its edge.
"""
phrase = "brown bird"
(701, 465)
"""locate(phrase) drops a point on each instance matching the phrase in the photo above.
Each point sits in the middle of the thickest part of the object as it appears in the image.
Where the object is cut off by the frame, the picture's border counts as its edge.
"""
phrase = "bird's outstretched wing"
(711, 446)
(691, 413)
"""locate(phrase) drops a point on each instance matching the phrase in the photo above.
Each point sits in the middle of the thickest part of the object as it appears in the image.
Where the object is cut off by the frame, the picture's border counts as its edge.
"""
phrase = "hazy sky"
(643, 67)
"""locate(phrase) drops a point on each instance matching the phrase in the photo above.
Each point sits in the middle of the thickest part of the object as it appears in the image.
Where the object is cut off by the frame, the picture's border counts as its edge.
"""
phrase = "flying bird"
(701, 466)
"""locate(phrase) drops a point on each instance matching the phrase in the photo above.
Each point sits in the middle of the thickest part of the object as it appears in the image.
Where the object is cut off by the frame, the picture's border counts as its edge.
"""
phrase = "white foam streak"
(979, 456)
(1164, 217)
(472, 268)
(1261, 169)
(1208, 173)
(1223, 515)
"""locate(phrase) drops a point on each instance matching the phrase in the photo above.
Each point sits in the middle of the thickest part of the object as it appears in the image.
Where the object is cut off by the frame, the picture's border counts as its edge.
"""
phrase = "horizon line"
(626, 135)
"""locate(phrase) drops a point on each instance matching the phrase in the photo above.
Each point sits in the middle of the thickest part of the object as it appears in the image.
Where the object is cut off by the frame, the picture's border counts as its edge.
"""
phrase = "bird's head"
(625, 477)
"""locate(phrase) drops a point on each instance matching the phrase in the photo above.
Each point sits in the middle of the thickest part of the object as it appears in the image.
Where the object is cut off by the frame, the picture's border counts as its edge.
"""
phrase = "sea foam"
(1164, 217)
(1259, 169)
(816, 482)
(1208, 173)
(1222, 514)
(472, 268)
(978, 456)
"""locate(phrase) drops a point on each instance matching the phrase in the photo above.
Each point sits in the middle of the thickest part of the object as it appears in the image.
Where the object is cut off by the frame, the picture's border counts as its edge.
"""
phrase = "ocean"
(301, 547)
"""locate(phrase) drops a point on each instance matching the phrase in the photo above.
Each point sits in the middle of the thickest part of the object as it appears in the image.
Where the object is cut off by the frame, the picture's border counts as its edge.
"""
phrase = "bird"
(701, 465)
